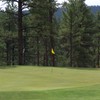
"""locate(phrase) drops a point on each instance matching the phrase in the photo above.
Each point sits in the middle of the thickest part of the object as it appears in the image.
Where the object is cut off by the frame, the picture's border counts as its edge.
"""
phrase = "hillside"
(94, 10)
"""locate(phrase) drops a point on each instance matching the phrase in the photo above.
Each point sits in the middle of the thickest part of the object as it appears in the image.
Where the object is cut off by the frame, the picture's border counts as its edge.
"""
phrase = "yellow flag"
(52, 51)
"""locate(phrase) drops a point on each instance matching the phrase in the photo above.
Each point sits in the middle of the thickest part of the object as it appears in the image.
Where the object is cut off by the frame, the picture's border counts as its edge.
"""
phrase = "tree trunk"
(20, 33)
(51, 32)
(38, 53)
(8, 52)
(71, 43)
(46, 53)
(13, 53)
(98, 58)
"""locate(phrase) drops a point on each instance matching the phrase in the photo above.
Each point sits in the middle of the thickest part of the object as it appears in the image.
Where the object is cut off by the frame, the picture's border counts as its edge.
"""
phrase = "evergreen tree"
(97, 41)
(42, 23)
(9, 26)
(78, 35)
(22, 4)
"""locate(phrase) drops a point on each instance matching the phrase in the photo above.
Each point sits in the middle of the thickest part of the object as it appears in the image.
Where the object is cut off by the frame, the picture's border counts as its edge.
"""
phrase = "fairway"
(49, 83)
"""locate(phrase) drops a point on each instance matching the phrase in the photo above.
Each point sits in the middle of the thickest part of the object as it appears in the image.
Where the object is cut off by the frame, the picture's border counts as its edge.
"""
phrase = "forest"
(31, 34)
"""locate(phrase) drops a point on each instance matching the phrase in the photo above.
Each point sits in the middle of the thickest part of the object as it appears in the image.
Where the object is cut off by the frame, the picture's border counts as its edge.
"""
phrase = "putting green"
(28, 78)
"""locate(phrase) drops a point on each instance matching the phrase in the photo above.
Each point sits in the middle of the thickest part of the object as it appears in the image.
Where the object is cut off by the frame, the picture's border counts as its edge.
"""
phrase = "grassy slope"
(41, 83)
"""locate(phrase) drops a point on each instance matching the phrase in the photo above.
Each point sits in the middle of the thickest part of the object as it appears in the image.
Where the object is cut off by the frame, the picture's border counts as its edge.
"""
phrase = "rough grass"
(48, 83)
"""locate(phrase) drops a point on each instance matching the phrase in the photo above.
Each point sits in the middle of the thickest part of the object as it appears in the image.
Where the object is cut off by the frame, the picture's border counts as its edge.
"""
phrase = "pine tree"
(43, 16)
(21, 5)
(78, 24)
(86, 26)
(97, 41)
(9, 25)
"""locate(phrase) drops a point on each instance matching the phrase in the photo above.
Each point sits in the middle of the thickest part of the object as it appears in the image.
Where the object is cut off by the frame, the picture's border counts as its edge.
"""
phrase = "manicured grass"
(48, 83)
(85, 93)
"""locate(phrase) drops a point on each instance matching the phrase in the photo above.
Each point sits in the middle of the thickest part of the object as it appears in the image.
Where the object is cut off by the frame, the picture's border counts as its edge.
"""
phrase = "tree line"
(30, 31)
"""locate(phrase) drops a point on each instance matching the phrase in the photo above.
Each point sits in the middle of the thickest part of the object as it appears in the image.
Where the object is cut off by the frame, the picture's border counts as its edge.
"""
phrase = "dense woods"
(32, 34)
